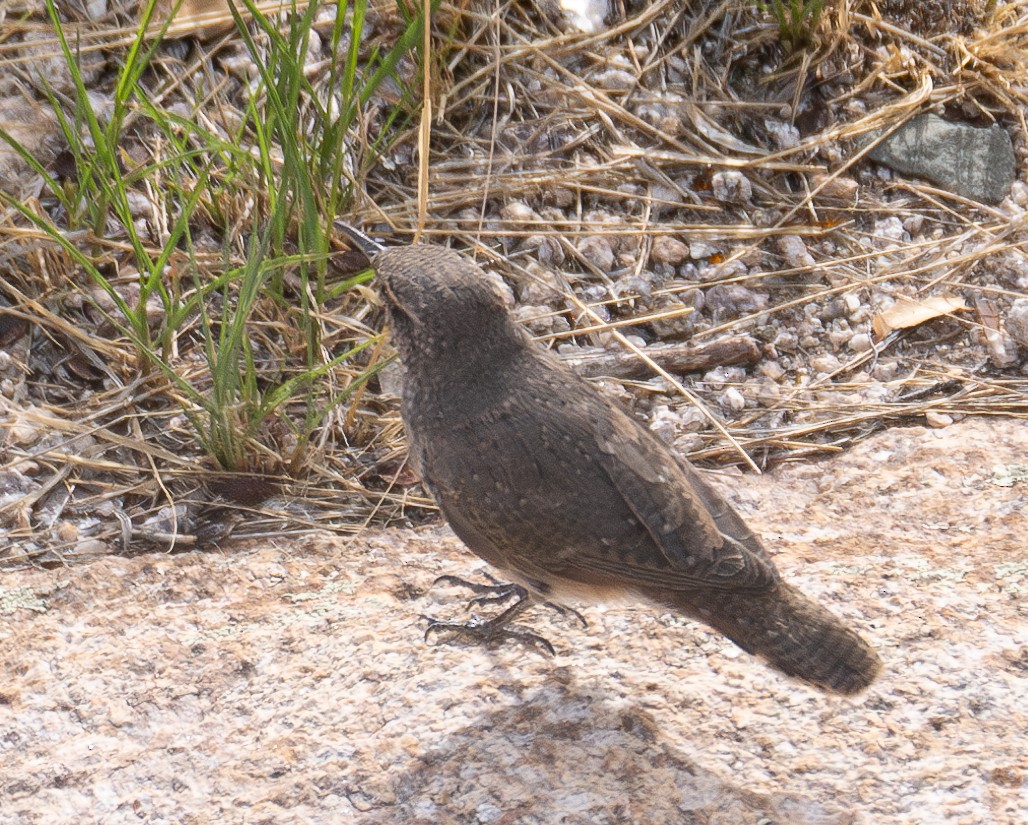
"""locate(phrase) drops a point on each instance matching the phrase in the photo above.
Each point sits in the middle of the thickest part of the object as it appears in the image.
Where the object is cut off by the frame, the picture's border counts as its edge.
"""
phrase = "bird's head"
(440, 302)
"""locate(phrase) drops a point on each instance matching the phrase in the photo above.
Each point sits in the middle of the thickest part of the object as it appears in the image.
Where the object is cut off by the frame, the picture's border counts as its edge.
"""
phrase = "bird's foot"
(492, 593)
(565, 611)
(497, 591)
(495, 631)
(485, 632)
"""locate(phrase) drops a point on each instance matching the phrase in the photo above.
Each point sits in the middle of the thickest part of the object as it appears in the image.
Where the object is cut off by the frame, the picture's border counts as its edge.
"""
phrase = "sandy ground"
(289, 683)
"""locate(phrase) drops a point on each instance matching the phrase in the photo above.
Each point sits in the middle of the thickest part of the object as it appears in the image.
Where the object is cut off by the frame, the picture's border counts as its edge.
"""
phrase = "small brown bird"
(544, 478)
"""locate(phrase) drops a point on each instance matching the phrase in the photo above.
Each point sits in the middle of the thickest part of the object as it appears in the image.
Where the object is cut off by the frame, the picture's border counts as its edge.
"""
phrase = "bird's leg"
(492, 593)
(495, 630)
(497, 591)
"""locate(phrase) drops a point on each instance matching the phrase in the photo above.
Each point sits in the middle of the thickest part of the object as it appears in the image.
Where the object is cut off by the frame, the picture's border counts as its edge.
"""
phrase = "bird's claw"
(497, 591)
(492, 593)
(497, 630)
(566, 611)
(491, 632)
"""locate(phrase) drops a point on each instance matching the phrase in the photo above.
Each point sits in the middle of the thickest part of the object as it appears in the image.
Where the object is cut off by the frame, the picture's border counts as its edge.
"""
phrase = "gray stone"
(969, 161)
(1017, 321)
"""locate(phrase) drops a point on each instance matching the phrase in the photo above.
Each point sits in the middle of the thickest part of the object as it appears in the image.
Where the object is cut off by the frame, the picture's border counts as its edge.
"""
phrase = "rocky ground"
(680, 176)
(289, 683)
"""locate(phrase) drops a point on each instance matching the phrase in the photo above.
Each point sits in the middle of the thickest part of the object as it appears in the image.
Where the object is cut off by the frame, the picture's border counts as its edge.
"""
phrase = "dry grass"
(540, 142)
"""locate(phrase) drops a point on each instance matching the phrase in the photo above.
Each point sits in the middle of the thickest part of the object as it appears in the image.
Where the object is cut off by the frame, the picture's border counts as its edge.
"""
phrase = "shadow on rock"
(570, 757)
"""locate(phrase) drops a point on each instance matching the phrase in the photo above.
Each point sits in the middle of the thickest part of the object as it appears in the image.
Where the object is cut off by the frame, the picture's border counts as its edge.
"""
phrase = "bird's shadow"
(565, 754)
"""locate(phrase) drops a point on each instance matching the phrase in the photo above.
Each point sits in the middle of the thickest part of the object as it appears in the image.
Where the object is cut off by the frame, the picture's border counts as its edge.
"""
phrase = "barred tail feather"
(791, 632)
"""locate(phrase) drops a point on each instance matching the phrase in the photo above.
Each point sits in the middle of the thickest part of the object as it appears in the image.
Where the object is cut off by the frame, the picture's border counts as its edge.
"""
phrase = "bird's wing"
(727, 520)
(701, 539)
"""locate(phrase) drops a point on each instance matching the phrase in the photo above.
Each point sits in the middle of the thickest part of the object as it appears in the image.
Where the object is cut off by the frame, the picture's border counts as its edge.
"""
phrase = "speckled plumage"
(544, 478)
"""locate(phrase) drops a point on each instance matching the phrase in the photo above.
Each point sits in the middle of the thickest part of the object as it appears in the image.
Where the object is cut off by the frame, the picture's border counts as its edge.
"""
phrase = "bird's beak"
(365, 244)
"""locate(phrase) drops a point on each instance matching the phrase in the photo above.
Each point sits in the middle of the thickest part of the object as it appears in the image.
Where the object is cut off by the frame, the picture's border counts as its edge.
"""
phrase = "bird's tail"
(793, 633)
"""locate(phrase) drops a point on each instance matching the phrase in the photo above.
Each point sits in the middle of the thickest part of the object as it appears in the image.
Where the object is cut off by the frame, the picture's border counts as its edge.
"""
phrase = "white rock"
(519, 212)
(732, 399)
(888, 231)
(1002, 349)
(937, 420)
(825, 364)
(785, 134)
(700, 249)
(861, 342)
(731, 187)
(22, 429)
(617, 80)
(772, 369)
(1016, 321)
(586, 15)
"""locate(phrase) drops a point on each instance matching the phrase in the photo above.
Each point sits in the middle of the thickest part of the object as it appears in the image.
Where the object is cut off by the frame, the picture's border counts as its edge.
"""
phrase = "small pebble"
(598, 251)
(885, 370)
(838, 188)
(92, 547)
(839, 338)
(732, 300)
(732, 399)
(700, 249)
(887, 232)
(914, 224)
(561, 198)
(587, 15)
(23, 431)
(668, 250)
(539, 291)
(548, 250)
(1002, 349)
(937, 420)
(662, 422)
(785, 135)
(616, 80)
(731, 187)
(67, 531)
(786, 341)
(632, 284)
(1016, 322)
(825, 364)
(519, 213)
(1019, 193)
(541, 319)
(768, 394)
(861, 342)
(720, 376)
(795, 252)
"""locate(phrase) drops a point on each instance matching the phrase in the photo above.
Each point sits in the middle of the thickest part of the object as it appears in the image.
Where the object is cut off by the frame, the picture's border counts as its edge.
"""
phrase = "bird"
(568, 495)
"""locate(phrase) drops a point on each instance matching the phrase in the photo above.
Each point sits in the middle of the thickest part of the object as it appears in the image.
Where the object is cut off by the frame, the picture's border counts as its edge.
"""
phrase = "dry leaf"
(908, 312)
